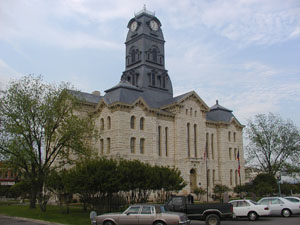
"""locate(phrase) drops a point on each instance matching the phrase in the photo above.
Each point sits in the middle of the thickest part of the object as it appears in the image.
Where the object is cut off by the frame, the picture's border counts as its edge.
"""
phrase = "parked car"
(250, 209)
(280, 206)
(141, 215)
(212, 213)
(293, 199)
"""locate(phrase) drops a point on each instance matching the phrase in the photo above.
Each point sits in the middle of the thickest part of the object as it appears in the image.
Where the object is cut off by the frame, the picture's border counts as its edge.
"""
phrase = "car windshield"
(292, 199)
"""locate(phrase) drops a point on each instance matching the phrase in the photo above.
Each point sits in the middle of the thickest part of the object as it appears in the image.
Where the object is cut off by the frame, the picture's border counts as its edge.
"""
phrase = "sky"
(244, 53)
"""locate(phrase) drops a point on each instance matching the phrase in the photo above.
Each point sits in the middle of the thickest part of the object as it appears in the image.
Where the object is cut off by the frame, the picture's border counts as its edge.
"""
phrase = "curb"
(31, 220)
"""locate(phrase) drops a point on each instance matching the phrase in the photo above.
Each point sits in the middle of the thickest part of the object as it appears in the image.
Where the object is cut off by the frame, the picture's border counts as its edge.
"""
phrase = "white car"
(280, 206)
(250, 209)
(293, 199)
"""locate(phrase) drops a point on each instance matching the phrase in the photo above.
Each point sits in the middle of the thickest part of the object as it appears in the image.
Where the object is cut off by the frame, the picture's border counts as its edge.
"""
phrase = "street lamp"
(278, 178)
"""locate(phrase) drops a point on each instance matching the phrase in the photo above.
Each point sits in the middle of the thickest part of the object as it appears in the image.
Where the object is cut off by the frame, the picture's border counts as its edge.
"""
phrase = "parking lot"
(293, 220)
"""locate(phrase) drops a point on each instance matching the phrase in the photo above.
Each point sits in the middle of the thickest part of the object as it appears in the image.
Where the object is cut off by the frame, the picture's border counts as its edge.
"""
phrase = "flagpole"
(206, 152)
(239, 168)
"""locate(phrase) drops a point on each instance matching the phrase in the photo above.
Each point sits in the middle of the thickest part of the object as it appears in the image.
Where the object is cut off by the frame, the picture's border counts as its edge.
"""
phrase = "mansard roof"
(86, 97)
(219, 113)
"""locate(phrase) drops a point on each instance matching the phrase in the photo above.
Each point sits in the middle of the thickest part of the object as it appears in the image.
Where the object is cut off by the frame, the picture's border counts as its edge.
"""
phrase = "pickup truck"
(211, 213)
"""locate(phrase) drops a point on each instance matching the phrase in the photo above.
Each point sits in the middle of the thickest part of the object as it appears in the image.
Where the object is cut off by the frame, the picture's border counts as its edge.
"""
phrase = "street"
(294, 220)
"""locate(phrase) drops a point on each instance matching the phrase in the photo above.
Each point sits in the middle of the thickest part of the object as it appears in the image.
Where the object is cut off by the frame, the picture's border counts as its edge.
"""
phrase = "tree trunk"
(33, 195)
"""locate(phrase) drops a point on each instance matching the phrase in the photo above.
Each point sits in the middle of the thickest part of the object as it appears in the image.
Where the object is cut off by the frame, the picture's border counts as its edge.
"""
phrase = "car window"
(234, 204)
(292, 199)
(276, 201)
(243, 204)
(133, 210)
(147, 210)
(177, 201)
(264, 202)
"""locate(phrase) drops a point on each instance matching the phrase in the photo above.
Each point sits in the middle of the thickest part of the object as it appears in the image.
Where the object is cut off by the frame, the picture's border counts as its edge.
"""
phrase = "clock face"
(133, 26)
(153, 25)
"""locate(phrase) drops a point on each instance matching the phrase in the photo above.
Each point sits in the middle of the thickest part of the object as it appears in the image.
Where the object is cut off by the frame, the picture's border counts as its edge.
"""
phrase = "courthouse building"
(139, 118)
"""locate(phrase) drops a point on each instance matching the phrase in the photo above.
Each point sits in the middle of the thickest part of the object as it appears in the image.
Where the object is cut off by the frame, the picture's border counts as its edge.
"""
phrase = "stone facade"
(140, 119)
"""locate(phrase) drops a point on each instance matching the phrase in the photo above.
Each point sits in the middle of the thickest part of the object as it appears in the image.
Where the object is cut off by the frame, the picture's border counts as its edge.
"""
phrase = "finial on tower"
(144, 10)
(217, 102)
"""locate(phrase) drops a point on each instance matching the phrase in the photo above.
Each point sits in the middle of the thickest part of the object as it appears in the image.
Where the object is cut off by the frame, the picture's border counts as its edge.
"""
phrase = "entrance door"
(193, 180)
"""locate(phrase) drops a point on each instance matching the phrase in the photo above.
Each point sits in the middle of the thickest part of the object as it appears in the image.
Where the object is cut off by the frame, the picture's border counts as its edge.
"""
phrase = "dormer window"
(133, 56)
(154, 55)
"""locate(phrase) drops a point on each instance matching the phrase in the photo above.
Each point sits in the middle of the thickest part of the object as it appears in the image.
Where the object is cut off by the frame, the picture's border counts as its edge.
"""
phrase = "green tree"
(199, 192)
(274, 143)
(39, 128)
(219, 191)
(264, 184)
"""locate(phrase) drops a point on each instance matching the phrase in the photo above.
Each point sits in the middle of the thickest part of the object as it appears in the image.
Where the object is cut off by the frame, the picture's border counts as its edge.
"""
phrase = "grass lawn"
(53, 214)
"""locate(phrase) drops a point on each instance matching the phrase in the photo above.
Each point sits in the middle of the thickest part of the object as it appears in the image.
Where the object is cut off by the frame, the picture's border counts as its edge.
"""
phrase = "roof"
(219, 113)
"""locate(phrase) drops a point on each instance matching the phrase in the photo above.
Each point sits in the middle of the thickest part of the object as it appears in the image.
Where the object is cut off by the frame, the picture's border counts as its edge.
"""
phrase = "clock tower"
(145, 56)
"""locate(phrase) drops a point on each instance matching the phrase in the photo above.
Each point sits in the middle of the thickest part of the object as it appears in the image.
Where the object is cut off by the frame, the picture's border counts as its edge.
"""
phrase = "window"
(234, 136)
(142, 120)
(166, 141)
(235, 153)
(132, 122)
(147, 210)
(195, 113)
(108, 122)
(101, 146)
(236, 177)
(212, 146)
(191, 111)
(231, 177)
(164, 82)
(206, 145)
(108, 145)
(159, 140)
(229, 153)
(188, 139)
(195, 139)
(153, 79)
(102, 124)
(187, 112)
(159, 81)
(132, 145)
(229, 135)
(208, 178)
(133, 210)
(154, 55)
(142, 146)
(133, 56)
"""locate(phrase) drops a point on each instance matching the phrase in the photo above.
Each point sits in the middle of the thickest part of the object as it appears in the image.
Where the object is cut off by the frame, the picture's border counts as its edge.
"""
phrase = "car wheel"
(286, 213)
(252, 216)
(109, 223)
(159, 223)
(212, 219)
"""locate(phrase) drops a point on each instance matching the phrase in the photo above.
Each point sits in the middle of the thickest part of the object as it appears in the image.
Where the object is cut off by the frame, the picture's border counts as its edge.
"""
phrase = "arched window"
(191, 111)
(229, 152)
(208, 177)
(206, 145)
(212, 146)
(229, 135)
(101, 147)
(153, 79)
(102, 124)
(154, 55)
(132, 145)
(234, 138)
(133, 55)
(236, 177)
(164, 81)
(188, 139)
(235, 154)
(108, 145)
(132, 122)
(142, 123)
(195, 140)
(231, 177)
(166, 141)
(159, 140)
(142, 146)
(108, 122)
(186, 111)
